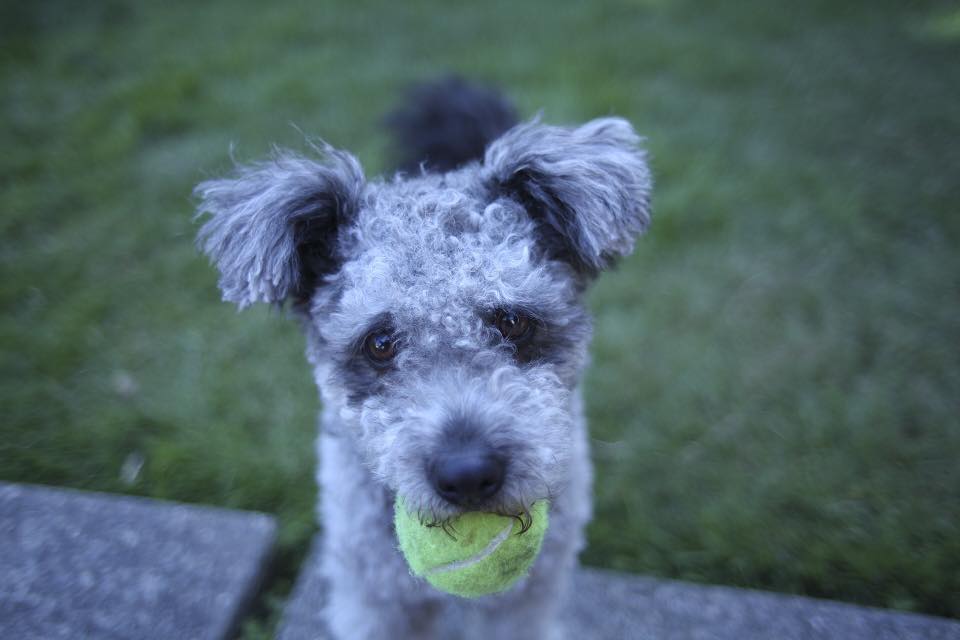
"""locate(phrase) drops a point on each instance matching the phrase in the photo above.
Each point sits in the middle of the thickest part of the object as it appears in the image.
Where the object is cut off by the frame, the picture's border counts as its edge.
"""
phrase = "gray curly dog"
(446, 326)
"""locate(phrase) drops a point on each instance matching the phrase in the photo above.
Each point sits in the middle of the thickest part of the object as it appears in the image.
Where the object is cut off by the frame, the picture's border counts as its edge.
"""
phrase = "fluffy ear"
(587, 188)
(273, 226)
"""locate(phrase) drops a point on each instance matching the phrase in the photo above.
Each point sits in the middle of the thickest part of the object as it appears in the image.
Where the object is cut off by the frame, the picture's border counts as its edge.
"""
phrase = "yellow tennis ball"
(474, 555)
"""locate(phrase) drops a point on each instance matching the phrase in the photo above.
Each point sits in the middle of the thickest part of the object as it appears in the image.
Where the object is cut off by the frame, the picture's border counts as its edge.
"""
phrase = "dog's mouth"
(522, 515)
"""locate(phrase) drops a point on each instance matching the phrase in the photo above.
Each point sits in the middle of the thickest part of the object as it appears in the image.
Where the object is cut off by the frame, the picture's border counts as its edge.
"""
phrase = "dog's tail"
(446, 123)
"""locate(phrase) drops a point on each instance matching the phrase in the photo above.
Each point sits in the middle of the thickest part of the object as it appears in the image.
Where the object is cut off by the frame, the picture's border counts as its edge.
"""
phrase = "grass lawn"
(776, 382)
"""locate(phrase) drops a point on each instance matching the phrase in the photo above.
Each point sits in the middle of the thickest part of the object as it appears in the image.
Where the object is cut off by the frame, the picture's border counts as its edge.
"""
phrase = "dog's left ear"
(274, 226)
(588, 188)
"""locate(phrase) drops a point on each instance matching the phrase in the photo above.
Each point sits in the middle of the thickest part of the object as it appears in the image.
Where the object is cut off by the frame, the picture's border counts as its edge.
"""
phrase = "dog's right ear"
(587, 188)
(274, 225)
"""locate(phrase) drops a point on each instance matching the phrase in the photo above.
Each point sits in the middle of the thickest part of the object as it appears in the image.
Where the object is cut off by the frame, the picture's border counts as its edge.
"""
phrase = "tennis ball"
(475, 554)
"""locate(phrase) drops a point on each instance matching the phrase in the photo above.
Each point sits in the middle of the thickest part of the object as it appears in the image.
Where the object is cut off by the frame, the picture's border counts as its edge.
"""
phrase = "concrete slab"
(615, 605)
(86, 565)
(606, 605)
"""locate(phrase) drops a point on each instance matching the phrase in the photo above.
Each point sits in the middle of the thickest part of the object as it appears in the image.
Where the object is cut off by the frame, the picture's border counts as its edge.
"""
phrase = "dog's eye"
(513, 326)
(380, 346)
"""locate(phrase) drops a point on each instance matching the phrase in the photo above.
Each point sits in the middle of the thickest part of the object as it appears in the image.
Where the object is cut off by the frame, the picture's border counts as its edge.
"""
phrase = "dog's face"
(451, 345)
(444, 313)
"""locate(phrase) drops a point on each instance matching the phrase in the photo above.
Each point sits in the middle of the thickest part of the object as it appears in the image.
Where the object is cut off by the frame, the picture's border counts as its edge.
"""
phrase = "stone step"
(86, 565)
(606, 605)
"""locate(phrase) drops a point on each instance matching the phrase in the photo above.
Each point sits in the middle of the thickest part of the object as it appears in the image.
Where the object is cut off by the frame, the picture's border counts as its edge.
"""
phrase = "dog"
(447, 331)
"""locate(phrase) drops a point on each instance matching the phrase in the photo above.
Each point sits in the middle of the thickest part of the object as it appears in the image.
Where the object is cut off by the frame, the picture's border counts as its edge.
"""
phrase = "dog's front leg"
(371, 594)
(533, 608)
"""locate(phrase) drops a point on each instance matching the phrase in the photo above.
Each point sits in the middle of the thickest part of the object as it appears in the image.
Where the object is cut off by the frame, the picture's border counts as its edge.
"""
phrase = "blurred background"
(776, 383)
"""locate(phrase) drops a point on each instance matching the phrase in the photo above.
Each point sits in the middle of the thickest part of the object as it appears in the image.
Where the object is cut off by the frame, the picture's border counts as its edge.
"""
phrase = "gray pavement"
(606, 605)
(93, 566)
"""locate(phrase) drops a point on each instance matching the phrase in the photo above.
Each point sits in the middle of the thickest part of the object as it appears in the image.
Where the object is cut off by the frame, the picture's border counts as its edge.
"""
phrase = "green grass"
(774, 396)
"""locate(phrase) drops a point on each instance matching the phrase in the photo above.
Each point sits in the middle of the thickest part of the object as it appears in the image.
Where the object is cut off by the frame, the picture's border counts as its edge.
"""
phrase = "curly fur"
(431, 258)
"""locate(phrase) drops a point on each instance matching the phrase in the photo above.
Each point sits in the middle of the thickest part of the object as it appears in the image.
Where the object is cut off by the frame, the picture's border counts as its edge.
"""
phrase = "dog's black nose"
(467, 477)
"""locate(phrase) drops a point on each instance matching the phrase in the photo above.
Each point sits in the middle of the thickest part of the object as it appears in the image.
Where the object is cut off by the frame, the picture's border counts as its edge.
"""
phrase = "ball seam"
(485, 553)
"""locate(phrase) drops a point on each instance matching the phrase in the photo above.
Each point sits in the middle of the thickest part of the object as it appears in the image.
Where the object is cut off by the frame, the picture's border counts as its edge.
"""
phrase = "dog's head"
(444, 312)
